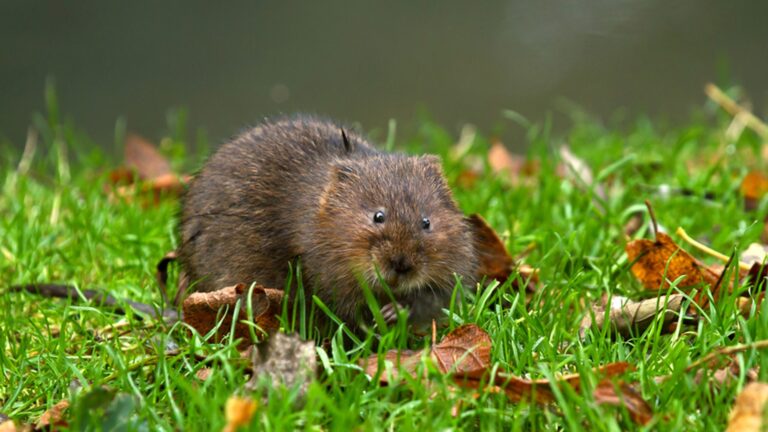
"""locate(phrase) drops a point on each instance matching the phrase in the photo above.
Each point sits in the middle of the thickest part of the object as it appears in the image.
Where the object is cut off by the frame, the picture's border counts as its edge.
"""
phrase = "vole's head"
(392, 218)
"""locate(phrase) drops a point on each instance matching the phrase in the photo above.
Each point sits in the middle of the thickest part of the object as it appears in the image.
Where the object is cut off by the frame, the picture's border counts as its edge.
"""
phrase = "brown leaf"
(54, 416)
(495, 261)
(467, 178)
(514, 167)
(634, 224)
(755, 253)
(143, 156)
(202, 308)
(580, 175)
(628, 317)
(747, 413)
(753, 187)
(152, 191)
(203, 374)
(146, 176)
(465, 348)
(539, 391)
(660, 261)
(623, 395)
(728, 374)
(238, 412)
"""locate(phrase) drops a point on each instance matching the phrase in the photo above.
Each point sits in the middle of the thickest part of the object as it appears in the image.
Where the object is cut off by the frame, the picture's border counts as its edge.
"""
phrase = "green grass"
(57, 225)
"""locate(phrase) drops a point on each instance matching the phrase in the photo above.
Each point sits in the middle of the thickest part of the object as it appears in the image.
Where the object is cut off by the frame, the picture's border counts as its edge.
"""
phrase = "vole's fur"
(305, 188)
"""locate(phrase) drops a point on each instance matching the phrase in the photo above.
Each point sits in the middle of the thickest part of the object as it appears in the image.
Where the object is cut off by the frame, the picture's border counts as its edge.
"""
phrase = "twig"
(653, 219)
(97, 298)
(734, 109)
(761, 344)
(707, 250)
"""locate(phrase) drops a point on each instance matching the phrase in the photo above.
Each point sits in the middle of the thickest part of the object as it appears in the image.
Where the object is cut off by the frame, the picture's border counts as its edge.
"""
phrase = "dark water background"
(231, 63)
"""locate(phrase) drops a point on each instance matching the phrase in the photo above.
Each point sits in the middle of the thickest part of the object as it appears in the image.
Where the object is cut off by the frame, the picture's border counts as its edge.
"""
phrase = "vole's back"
(244, 211)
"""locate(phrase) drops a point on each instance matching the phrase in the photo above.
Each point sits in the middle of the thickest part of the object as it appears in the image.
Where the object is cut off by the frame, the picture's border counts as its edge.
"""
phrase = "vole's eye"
(378, 217)
(425, 223)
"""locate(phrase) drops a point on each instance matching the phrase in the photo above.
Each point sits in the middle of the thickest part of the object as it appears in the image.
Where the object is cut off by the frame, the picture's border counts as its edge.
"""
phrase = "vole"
(304, 188)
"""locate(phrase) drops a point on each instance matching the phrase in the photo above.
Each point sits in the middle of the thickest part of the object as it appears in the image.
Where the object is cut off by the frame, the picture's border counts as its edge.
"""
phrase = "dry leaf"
(201, 310)
(54, 416)
(749, 410)
(465, 348)
(151, 192)
(623, 395)
(655, 263)
(495, 261)
(465, 355)
(144, 162)
(627, 317)
(467, 178)
(580, 175)
(754, 254)
(203, 374)
(540, 391)
(634, 224)
(575, 169)
(238, 412)
(753, 187)
(516, 168)
(143, 156)
(728, 374)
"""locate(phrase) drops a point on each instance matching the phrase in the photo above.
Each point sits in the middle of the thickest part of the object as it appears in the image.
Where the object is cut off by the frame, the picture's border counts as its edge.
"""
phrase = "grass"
(56, 224)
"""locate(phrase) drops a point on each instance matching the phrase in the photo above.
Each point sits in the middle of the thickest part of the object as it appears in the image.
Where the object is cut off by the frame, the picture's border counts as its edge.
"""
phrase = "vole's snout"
(401, 264)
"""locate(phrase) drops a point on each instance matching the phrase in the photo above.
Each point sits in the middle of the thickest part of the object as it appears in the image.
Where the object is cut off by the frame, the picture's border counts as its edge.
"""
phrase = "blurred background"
(369, 62)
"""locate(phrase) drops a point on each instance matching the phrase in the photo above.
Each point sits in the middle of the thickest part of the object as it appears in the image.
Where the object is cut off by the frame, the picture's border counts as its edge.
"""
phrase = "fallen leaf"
(748, 413)
(467, 178)
(203, 374)
(627, 317)
(730, 373)
(143, 156)
(540, 391)
(516, 168)
(466, 348)
(623, 395)
(753, 188)
(580, 175)
(54, 416)
(657, 262)
(495, 261)
(284, 360)
(151, 192)
(634, 224)
(238, 412)
(754, 254)
(465, 355)
(201, 310)
(147, 175)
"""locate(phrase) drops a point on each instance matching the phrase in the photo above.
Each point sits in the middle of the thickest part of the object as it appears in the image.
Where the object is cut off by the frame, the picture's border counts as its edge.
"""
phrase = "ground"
(59, 225)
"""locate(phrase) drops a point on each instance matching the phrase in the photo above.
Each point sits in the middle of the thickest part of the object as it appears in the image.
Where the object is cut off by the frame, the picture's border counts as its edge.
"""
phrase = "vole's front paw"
(390, 312)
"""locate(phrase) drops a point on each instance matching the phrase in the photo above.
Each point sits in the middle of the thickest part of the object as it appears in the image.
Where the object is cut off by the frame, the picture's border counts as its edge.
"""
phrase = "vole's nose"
(401, 264)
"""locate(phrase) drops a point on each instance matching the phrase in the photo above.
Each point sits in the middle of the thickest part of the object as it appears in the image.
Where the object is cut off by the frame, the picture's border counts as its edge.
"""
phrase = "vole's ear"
(433, 164)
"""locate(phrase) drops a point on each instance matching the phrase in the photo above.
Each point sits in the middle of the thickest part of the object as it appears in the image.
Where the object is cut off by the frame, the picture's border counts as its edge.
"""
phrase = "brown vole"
(301, 187)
